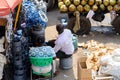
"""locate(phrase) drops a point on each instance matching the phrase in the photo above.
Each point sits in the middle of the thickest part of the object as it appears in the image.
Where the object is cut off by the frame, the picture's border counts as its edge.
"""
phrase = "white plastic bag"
(116, 55)
(43, 70)
(110, 67)
(113, 70)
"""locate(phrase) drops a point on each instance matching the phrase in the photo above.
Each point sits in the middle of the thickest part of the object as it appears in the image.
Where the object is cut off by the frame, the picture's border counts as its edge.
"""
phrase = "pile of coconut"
(86, 5)
(94, 51)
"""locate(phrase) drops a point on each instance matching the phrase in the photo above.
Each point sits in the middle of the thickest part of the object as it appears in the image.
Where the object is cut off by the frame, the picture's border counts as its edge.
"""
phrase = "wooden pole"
(17, 16)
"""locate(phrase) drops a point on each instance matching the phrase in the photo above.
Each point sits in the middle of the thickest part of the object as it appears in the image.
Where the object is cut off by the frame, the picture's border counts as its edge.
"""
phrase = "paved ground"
(110, 39)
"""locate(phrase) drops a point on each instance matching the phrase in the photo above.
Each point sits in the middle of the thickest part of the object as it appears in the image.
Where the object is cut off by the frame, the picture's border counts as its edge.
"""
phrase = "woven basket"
(3, 21)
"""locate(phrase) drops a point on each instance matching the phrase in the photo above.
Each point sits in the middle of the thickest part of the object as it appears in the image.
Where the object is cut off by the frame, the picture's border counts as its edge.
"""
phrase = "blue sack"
(32, 15)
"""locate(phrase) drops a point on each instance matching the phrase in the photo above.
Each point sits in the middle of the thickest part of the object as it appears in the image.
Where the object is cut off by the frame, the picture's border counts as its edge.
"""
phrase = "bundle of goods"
(95, 50)
(41, 59)
(87, 5)
(20, 55)
(33, 16)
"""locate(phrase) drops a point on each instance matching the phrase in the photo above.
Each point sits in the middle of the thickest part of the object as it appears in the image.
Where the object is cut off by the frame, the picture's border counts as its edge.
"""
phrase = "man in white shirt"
(63, 45)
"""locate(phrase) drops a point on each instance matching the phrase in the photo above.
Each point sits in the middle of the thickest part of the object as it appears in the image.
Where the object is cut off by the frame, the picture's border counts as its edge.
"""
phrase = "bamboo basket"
(3, 21)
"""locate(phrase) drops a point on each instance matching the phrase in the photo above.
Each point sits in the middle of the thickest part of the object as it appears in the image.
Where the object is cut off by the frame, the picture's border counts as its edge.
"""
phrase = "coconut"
(91, 2)
(83, 2)
(59, 0)
(94, 7)
(60, 4)
(112, 2)
(106, 2)
(98, 1)
(118, 2)
(87, 7)
(63, 8)
(67, 2)
(80, 8)
(102, 6)
(109, 8)
(116, 7)
(72, 8)
(76, 2)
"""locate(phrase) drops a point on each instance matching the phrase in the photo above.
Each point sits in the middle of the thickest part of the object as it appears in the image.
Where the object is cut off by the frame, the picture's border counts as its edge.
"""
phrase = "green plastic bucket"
(75, 41)
(41, 61)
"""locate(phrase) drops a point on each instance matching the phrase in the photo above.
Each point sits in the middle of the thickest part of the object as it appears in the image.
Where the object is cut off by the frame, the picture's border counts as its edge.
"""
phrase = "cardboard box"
(83, 72)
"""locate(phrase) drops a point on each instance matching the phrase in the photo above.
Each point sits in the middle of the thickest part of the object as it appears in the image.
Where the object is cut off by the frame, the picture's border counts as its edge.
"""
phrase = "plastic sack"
(111, 70)
(99, 15)
(105, 59)
(32, 15)
(116, 55)
(44, 69)
(110, 67)
(41, 5)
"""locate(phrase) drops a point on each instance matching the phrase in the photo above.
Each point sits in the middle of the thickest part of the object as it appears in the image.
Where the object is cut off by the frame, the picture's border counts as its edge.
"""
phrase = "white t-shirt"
(64, 42)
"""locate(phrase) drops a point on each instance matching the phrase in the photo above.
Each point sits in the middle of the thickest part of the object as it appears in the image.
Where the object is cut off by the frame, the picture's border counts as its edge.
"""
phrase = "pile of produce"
(95, 50)
(86, 5)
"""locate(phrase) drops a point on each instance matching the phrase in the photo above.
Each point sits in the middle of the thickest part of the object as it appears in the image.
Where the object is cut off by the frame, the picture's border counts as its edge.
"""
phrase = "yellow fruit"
(98, 2)
(118, 2)
(76, 2)
(91, 2)
(109, 8)
(116, 7)
(72, 8)
(94, 7)
(60, 4)
(80, 8)
(63, 8)
(71, 0)
(87, 8)
(102, 6)
(64, 1)
(112, 2)
(59, 0)
(83, 2)
(106, 2)
(67, 2)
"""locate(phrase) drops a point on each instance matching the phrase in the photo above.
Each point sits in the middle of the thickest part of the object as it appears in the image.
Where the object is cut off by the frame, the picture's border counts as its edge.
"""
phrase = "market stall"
(95, 54)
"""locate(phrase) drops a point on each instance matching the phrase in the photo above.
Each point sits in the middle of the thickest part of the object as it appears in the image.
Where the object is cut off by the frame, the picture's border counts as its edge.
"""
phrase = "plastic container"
(66, 63)
(20, 77)
(41, 61)
(75, 41)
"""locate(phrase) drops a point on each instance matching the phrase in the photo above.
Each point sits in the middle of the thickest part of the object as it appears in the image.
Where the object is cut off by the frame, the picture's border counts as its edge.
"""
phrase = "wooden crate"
(103, 77)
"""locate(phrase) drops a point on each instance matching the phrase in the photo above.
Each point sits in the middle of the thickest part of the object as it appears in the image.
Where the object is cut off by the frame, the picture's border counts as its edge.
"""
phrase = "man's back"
(64, 42)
